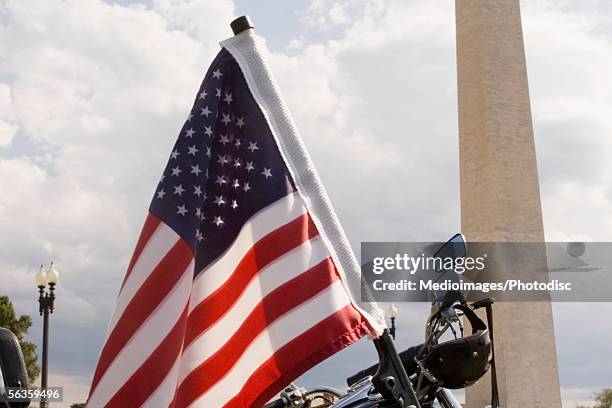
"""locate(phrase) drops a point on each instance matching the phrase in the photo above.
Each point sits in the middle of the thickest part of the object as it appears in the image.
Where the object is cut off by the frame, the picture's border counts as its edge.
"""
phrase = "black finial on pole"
(241, 24)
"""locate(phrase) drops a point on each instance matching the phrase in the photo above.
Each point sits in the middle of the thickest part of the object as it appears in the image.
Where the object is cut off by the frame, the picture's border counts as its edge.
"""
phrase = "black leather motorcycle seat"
(407, 356)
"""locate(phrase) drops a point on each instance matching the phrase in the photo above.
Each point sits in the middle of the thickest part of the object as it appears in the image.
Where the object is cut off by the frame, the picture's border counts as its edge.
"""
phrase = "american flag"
(242, 278)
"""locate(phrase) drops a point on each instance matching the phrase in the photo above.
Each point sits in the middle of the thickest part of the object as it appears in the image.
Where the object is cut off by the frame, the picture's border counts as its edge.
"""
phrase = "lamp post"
(45, 301)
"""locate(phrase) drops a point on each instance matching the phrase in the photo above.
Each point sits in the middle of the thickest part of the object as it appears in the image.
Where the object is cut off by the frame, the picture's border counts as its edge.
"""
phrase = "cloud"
(573, 397)
(324, 14)
(353, 115)
(568, 73)
(94, 94)
(7, 133)
(7, 130)
(75, 389)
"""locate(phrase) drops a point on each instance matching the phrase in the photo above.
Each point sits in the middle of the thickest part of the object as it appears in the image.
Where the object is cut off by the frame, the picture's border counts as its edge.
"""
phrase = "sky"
(93, 94)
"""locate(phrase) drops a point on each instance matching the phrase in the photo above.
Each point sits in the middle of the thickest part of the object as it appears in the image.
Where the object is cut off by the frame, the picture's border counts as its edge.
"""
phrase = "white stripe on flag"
(164, 394)
(267, 220)
(145, 340)
(162, 240)
(291, 265)
(279, 333)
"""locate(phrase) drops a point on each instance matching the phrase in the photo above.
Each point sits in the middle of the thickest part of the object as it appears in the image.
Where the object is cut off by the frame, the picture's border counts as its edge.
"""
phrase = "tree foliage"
(20, 326)
(602, 398)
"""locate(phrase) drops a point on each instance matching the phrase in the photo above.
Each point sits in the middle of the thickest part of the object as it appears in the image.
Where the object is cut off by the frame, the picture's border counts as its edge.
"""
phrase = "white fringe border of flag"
(246, 48)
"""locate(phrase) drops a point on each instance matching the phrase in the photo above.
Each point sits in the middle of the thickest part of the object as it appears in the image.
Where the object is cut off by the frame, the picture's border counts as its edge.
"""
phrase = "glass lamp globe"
(52, 275)
(41, 277)
(392, 311)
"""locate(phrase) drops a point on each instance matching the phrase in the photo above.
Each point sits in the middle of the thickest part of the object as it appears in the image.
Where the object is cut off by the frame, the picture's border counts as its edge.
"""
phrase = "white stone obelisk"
(500, 197)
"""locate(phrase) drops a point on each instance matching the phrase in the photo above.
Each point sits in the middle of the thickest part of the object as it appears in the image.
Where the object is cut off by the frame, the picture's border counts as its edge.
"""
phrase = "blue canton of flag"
(225, 165)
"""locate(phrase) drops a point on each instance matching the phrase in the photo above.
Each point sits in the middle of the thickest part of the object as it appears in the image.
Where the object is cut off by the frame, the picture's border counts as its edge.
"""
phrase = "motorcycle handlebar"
(482, 303)
(407, 358)
(361, 374)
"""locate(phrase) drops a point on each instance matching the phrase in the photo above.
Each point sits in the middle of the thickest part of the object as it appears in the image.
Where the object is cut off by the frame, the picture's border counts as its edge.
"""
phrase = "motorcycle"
(423, 375)
(13, 373)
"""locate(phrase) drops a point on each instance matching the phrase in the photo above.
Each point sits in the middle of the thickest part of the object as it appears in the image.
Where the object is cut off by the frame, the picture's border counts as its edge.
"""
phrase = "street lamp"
(45, 301)
(392, 314)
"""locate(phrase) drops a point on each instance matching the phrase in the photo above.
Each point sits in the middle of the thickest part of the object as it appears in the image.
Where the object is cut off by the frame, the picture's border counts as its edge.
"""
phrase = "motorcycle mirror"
(453, 248)
(13, 372)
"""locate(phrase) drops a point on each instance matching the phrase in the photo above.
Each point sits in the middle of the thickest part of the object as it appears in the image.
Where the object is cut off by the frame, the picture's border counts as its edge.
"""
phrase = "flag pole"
(391, 379)
(241, 24)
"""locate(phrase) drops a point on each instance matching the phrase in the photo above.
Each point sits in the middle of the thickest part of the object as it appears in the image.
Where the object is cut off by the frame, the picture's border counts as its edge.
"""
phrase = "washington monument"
(500, 196)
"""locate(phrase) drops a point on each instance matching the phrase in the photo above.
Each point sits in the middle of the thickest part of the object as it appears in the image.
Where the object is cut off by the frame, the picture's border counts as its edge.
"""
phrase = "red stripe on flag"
(149, 227)
(280, 301)
(143, 383)
(266, 250)
(152, 292)
(299, 355)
